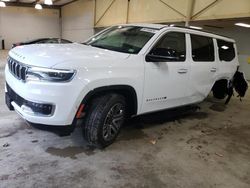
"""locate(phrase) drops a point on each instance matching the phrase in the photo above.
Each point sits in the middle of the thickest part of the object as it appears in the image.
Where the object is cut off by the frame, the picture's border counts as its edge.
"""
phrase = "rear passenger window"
(226, 50)
(202, 48)
(172, 46)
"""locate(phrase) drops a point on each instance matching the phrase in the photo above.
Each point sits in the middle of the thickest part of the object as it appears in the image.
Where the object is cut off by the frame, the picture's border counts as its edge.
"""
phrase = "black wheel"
(219, 94)
(220, 89)
(104, 120)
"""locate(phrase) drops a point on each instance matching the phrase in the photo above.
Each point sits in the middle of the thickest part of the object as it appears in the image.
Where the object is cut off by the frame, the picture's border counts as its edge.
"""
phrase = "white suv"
(125, 70)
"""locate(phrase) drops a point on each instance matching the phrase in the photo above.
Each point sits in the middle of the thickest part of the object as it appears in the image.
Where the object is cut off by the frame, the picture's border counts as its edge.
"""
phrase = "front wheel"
(104, 120)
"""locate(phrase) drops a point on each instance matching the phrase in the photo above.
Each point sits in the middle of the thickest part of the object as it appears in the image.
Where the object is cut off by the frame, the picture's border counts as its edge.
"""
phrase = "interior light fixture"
(6, 0)
(2, 4)
(195, 27)
(48, 2)
(38, 6)
(243, 25)
(225, 47)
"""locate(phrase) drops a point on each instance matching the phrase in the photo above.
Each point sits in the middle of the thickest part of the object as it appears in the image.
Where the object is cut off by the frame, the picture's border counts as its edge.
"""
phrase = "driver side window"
(172, 47)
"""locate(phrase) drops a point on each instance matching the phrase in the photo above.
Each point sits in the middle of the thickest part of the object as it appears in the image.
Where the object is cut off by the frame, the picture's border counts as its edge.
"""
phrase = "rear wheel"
(104, 120)
(220, 89)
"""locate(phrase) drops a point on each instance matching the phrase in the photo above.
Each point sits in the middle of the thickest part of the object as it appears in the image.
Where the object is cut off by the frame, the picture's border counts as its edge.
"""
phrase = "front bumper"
(63, 98)
(34, 108)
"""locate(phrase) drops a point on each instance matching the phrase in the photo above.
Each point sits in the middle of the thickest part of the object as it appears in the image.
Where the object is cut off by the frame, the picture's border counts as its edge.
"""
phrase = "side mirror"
(162, 55)
(158, 58)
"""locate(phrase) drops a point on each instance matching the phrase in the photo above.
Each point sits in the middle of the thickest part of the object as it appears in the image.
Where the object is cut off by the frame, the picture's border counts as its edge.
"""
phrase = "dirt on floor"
(206, 146)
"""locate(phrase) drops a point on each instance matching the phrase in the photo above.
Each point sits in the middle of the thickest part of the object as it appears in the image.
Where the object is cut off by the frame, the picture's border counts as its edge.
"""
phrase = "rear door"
(228, 61)
(203, 66)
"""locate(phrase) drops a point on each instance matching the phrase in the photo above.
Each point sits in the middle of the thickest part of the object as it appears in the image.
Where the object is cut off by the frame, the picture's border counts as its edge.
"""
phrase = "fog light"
(40, 108)
(27, 110)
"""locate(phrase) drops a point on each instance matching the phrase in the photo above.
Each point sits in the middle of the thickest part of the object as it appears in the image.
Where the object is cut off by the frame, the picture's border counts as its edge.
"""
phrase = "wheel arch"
(221, 79)
(220, 88)
(126, 90)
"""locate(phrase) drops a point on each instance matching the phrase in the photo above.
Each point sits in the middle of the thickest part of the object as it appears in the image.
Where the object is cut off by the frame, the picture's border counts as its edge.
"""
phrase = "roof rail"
(201, 30)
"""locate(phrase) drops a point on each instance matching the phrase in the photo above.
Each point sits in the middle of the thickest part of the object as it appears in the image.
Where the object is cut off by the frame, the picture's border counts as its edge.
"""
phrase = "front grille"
(17, 69)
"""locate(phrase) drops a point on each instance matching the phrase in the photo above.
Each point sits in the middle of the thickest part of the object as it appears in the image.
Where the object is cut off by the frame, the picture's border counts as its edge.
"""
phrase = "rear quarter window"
(202, 48)
(226, 50)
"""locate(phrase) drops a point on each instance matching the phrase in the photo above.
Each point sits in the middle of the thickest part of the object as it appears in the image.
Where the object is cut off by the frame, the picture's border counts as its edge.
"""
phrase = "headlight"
(51, 75)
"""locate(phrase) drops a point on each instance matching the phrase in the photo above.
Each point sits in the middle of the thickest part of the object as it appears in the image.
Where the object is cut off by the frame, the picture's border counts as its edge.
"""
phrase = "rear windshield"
(226, 50)
(127, 39)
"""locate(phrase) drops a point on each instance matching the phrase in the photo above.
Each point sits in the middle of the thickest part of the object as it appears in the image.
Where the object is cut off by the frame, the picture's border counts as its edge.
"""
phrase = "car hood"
(49, 55)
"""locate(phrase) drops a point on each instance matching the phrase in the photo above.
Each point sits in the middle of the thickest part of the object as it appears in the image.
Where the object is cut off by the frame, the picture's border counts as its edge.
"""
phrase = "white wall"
(78, 20)
(21, 24)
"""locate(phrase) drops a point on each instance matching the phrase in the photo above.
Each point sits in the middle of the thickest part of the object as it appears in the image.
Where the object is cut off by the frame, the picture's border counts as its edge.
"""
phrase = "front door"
(166, 73)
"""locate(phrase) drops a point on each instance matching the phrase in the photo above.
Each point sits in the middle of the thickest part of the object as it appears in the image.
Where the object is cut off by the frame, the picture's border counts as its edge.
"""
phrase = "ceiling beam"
(172, 8)
(127, 16)
(55, 1)
(190, 8)
(19, 4)
(110, 5)
(69, 3)
(205, 8)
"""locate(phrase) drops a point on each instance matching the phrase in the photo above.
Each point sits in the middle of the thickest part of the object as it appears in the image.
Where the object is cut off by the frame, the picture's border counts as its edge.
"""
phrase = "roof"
(204, 32)
(161, 26)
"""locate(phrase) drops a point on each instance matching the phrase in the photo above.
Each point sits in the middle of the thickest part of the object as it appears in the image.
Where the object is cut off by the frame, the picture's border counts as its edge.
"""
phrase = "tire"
(220, 89)
(219, 95)
(99, 127)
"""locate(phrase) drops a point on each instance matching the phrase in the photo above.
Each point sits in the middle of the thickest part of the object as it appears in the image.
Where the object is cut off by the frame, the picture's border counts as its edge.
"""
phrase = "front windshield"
(127, 39)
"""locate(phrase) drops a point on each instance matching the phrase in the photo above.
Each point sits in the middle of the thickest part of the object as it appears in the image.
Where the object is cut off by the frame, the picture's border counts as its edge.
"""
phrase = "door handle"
(182, 71)
(213, 69)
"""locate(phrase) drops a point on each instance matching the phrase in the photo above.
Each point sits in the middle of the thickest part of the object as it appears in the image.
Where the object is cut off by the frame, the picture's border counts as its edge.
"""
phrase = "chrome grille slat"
(20, 71)
(14, 68)
(12, 62)
(23, 73)
(17, 69)
(11, 65)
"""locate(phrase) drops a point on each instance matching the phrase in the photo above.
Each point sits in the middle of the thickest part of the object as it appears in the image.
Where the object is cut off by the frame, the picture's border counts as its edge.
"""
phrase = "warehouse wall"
(78, 20)
(20, 24)
(110, 12)
(241, 35)
(221, 9)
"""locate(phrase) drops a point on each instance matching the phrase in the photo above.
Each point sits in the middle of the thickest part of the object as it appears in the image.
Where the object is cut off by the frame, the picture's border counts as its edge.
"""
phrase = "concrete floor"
(206, 148)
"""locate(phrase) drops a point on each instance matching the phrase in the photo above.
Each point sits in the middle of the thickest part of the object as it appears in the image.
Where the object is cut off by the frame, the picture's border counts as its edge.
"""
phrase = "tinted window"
(172, 45)
(202, 48)
(226, 50)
